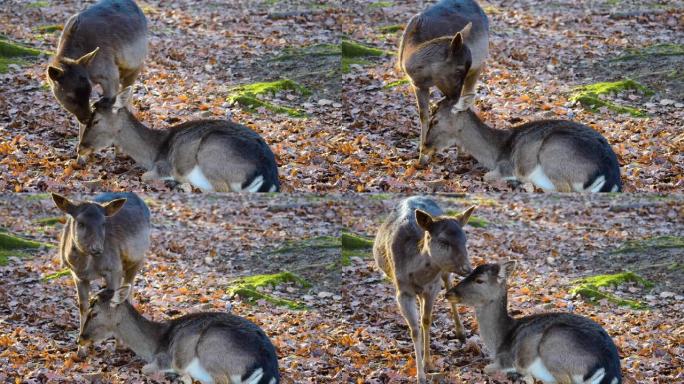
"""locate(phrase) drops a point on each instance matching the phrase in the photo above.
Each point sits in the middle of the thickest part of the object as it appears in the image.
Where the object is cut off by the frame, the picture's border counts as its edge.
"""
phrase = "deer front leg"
(83, 290)
(460, 332)
(423, 100)
(408, 308)
(427, 303)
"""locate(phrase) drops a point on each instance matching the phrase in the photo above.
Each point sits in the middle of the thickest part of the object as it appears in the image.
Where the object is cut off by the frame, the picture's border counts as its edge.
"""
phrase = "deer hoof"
(82, 352)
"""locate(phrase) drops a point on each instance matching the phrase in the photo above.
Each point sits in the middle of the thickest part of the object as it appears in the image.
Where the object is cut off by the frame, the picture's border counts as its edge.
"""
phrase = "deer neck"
(141, 143)
(481, 141)
(143, 336)
(495, 323)
(425, 269)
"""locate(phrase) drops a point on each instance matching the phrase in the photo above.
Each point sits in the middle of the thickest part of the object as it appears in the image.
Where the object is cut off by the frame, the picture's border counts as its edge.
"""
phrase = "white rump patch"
(196, 177)
(595, 378)
(198, 372)
(596, 185)
(255, 185)
(254, 378)
(539, 178)
(540, 372)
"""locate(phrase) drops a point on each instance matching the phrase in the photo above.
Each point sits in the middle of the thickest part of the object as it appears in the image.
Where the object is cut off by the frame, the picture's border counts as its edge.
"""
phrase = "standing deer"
(106, 44)
(104, 238)
(445, 46)
(212, 155)
(554, 155)
(211, 347)
(550, 347)
(417, 247)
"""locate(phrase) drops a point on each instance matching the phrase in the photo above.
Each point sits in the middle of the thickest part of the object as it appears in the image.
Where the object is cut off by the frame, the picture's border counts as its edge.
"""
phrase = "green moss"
(38, 4)
(49, 28)
(391, 28)
(380, 4)
(397, 83)
(589, 288)
(474, 221)
(248, 288)
(317, 50)
(665, 49)
(355, 246)
(379, 196)
(660, 242)
(477, 200)
(321, 242)
(11, 245)
(249, 96)
(49, 221)
(590, 96)
(352, 49)
(57, 275)
(38, 196)
(13, 53)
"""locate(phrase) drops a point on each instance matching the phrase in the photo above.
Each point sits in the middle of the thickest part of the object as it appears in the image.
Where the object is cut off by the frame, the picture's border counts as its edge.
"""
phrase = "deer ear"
(424, 220)
(64, 204)
(465, 216)
(506, 270)
(88, 57)
(112, 207)
(121, 295)
(123, 98)
(55, 73)
(465, 32)
(456, 45)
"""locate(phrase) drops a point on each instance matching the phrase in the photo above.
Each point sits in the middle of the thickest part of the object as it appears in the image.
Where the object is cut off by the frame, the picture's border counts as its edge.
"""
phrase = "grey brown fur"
(444, 46)
(555, 155)
(558, 348)
(105, 238)
(213, 155)
(105, 44)
(210, 347)
(417, 247)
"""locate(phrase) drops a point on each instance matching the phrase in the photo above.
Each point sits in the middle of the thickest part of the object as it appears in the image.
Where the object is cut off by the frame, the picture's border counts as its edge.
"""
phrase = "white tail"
(596, 377)
(254, 378)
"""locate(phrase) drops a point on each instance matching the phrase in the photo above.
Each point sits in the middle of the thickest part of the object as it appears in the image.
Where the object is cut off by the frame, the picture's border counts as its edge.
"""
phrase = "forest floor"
(201, 246)
(346, 124)
(343, 325)
(555, 242)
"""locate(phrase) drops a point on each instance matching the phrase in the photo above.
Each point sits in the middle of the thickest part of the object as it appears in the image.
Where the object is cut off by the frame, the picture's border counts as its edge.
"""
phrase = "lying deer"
(212, 155)
(104, 238)
(105, 44)
(444, 46)
(210, 347)
(554, 155)
(550, 347)
(417, 247)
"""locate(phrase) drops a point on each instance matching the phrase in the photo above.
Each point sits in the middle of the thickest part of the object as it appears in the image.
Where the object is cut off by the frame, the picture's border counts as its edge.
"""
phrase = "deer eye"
(479, 281)
(81, 225)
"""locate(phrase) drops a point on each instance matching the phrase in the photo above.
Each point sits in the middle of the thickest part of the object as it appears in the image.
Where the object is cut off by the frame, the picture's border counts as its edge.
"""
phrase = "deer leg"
(426, 319)
(423, 100)
(408, 308)
(83, 289)
(460, 332)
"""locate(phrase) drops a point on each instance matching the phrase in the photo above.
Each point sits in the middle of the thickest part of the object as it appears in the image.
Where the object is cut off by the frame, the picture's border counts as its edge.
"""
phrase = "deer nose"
(96, 250)
(466, 269)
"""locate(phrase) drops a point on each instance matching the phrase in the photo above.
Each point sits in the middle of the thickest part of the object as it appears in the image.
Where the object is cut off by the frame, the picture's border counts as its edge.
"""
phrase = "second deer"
(212, 155)
(417, 247)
